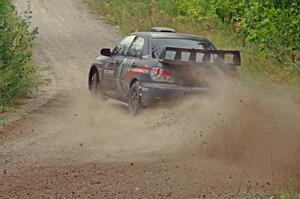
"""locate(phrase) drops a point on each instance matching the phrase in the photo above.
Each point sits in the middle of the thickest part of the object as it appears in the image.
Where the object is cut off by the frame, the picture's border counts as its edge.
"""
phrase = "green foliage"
(197, 10)
(269, 23)
(273, 27)
(17, 74)
(171, 7)
(267, 32)
(291, 192)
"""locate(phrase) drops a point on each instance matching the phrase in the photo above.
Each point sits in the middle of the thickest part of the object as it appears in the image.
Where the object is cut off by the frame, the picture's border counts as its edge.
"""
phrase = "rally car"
(160, 65)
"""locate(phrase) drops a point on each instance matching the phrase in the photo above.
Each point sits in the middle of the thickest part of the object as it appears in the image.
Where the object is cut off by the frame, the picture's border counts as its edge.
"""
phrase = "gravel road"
(242, 143)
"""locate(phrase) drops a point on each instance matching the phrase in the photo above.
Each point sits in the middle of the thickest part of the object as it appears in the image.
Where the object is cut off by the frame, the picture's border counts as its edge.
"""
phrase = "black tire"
(95, 84)
(134, 99)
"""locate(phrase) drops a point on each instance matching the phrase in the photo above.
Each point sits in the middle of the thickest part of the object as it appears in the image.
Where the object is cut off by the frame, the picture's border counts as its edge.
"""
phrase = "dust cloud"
(250, 126)
(245, 125)
(259, 128)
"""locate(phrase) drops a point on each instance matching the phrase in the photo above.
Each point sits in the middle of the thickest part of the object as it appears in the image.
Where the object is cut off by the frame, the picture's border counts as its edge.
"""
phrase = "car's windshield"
(159, 44)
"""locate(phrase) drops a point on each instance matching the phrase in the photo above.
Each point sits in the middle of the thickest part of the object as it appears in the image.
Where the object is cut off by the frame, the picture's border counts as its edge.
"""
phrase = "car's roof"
(169, 35)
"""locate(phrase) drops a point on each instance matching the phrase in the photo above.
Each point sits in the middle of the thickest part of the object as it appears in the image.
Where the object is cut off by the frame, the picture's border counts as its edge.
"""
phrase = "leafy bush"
(268, 29)
(270, 24)
(267, 32)
(273, 25)
(17, 74)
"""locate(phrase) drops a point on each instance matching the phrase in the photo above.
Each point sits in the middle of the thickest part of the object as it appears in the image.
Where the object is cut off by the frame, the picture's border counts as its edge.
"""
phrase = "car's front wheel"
(94, 84)
(134, 99)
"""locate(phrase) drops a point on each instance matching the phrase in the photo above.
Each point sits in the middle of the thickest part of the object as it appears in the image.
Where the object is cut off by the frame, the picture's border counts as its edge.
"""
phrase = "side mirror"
(105, 52)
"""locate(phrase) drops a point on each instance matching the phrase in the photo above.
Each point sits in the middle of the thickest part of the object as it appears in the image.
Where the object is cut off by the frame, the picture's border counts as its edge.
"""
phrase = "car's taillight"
(161, 75)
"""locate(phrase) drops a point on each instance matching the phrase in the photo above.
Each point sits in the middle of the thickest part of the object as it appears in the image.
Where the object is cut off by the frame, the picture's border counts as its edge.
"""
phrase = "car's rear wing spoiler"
(171, 55)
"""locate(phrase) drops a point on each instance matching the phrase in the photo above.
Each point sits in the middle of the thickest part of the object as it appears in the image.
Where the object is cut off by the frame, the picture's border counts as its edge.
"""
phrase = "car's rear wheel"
(134, 99)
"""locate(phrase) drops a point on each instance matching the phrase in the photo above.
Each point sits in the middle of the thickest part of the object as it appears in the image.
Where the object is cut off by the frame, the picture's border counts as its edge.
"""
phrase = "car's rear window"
(159, 44)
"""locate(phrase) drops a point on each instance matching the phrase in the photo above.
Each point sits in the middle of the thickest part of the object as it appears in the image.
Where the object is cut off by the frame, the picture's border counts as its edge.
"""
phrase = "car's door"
(113, 65)
(132, 65)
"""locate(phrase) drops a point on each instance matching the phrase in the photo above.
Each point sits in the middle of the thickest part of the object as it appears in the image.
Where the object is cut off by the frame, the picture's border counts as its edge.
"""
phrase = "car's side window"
(137, 47)
(122, 48)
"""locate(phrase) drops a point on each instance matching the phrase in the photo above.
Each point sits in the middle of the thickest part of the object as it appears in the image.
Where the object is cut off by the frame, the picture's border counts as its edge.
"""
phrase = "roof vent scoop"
(162, 29)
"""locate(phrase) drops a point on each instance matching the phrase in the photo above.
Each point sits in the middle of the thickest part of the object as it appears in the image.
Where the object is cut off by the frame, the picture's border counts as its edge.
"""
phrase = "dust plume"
(250, 126)
(244, 125)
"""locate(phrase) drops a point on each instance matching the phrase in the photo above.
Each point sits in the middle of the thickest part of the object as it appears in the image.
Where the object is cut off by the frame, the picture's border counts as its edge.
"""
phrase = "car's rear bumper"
(156, 92)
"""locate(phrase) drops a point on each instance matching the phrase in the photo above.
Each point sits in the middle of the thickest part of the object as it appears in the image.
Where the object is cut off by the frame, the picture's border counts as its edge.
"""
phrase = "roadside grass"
(291, 191)
(3, 121)
(133, 16)
(15, 87)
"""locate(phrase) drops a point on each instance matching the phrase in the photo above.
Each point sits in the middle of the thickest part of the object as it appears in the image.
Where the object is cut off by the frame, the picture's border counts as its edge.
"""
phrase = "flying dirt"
(243, 141)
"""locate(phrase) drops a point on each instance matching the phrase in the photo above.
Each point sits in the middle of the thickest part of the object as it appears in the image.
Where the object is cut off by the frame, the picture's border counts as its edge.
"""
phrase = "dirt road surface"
(241, 143)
